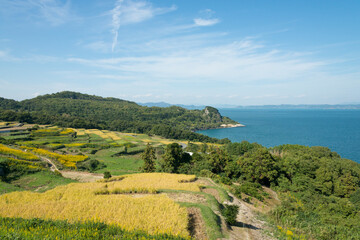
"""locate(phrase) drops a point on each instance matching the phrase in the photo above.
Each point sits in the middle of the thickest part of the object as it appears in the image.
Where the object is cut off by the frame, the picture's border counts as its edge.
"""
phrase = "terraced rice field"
(77, 202)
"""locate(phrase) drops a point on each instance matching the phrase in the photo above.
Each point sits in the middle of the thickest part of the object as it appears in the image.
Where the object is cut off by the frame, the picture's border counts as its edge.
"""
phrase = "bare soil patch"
(213, 192)
(82, 176)
(187, 197)
(204, 182)
(248, 226)
(196, 224)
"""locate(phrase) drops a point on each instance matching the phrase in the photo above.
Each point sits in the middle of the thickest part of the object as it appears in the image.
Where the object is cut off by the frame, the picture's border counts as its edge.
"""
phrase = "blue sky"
(180, 51)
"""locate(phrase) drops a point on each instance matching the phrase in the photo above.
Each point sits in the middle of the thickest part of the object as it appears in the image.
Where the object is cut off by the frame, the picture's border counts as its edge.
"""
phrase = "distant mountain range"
(304, 106)
(164, 104)
(282, 106)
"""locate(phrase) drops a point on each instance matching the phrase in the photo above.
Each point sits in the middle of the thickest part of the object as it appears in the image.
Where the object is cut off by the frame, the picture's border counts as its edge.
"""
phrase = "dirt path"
(53, 167)
(82, 176)
(248, 226)
(196, 224)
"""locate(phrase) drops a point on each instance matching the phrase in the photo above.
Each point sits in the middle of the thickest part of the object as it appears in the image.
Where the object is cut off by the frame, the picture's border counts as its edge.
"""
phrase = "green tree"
(258, 166)
(173, 157)
(149, 159)
(218, 159)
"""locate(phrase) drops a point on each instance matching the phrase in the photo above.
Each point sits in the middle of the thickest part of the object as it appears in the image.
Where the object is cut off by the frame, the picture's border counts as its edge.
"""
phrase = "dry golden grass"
(97, 132)
(114, 136)
(153, 181)
(77, 202)
(79, 132)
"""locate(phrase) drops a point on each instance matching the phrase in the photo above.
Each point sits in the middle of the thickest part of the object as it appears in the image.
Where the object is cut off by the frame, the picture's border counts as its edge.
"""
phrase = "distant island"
(281, 106)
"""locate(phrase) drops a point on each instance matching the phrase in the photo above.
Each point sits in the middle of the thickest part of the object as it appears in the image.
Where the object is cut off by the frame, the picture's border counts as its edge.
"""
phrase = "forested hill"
(71, 109)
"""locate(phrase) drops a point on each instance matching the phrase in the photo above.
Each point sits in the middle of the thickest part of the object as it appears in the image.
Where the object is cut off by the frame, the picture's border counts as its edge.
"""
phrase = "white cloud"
(206, 18)
(128, 12)
(205, 22)
(53, 11)
(244, 61)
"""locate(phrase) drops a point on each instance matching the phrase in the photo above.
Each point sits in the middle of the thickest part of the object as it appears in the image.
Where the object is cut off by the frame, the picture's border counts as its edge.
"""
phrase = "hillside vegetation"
(71, 109)
(318, 191)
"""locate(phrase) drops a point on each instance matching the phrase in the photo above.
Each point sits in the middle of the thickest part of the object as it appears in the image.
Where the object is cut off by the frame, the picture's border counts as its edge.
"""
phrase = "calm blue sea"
(337, 129)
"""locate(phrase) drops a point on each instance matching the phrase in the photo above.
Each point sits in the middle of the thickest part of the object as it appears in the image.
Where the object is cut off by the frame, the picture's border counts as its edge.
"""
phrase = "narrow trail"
(248, 226)
(53, 167)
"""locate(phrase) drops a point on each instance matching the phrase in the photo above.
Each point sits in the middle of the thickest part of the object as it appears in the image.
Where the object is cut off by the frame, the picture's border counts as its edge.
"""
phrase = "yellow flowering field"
(66, 160)
(29, 164)
(17, 153)
(74, 144)
(77, 202)
(67, 131)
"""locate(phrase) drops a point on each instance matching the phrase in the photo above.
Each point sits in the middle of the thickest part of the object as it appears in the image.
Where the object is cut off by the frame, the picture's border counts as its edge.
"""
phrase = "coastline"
(229, 125)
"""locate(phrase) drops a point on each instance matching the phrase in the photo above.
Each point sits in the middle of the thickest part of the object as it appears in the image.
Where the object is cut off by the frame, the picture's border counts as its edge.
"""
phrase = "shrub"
(252, 189)
(237, 191)
(90, 165)
(107, 175)
(225, 180)
(230, 212)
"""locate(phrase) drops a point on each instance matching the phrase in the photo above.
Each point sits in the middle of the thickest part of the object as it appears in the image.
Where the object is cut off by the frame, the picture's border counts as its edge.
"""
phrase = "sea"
(336, 129)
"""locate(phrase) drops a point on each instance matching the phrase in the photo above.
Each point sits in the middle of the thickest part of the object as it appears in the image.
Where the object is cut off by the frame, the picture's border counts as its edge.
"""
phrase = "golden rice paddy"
(77, 202)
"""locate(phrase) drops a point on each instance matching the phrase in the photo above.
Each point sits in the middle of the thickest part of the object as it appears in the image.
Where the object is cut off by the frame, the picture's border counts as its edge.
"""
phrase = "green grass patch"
(40, 181)
(7, 187)
(123, 164)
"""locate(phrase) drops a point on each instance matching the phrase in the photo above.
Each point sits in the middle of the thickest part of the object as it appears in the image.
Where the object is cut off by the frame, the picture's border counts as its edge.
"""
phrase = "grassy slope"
(40, 181)
(117, 165)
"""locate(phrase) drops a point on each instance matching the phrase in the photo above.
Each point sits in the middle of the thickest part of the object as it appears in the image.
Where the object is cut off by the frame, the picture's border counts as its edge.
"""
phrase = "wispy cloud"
(128, 12)
(243, 61)
(6, 56)
(205, 22)
(206, 18)
(55, 12)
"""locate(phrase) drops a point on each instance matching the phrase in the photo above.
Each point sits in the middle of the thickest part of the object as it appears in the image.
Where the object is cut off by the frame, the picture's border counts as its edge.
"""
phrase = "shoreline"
(230, 125)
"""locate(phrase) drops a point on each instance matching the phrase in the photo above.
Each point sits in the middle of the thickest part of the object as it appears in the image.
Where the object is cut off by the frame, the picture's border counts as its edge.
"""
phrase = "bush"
(252, 189)
(93, 151)
(237, 191)
(107, 175)
(225, 180)
(230, 212)
(90, 165)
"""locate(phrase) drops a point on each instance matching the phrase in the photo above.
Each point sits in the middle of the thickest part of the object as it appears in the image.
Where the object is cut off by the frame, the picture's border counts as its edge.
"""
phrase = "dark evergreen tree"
(149, 159)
